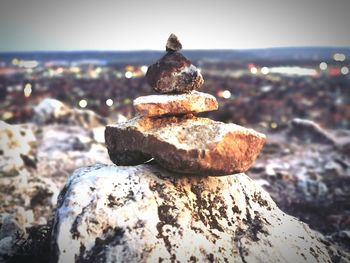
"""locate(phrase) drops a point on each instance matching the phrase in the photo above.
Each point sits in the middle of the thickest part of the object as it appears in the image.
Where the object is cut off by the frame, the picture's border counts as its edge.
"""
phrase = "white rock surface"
(146, 214)
(49, 109)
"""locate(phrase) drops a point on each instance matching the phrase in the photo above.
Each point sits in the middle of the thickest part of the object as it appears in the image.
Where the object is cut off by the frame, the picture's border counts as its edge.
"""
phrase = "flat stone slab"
(158, 105)
(188, 144)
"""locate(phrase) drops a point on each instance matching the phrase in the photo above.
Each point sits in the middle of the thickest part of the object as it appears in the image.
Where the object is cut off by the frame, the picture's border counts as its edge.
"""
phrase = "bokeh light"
(27, 91)
(83, 103)
(109, 102)
(344, 70)
(128, 74)
(323, 65)
(265, 70)
(253, 70)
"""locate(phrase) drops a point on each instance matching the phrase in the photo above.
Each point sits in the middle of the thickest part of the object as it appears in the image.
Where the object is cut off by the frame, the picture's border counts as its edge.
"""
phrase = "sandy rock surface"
(158, 105)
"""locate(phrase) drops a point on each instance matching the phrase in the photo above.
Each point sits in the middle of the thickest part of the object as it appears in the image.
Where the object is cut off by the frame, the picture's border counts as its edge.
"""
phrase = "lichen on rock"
(147, 214)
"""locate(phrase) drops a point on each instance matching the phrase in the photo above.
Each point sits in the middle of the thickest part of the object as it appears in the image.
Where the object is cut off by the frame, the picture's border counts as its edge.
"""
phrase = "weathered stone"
(146, 214)
(174, 73)
(158, 105)
(188, 144)
(173, 43)
(309, 131)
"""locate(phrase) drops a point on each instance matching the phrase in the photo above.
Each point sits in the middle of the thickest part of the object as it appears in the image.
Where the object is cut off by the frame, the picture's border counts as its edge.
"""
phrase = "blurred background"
(69, 68)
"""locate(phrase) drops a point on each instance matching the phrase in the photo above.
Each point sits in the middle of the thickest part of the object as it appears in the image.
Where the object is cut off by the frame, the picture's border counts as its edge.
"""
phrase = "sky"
(44, 25)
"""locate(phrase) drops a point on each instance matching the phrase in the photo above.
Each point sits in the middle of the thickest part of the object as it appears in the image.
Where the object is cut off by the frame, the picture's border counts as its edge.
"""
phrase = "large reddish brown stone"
(158, 105)
(184, 144)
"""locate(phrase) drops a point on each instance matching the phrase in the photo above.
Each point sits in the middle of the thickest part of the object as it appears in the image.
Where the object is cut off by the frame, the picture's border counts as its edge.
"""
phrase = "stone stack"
(137, 212)
(167, 131)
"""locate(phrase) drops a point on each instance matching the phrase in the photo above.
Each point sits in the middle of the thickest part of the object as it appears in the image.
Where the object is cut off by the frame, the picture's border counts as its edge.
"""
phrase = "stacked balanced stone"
(167, 131)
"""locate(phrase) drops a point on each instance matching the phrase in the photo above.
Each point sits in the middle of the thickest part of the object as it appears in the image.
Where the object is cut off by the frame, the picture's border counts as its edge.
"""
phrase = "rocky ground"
(36, 160)
(307, 173)
(305, 169)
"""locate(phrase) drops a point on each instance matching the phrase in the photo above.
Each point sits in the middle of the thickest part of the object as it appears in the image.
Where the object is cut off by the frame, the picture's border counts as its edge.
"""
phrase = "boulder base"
(146, 214)
(187, 144)
(158, 105)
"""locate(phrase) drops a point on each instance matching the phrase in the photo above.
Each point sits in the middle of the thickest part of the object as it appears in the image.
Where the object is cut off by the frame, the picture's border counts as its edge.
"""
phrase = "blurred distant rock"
(50, 110)
(65, 138)
(187, 144)
(342, 141)
(146, 214)
(158, 105)
(63, 148)
(54, 111)
(309, 131)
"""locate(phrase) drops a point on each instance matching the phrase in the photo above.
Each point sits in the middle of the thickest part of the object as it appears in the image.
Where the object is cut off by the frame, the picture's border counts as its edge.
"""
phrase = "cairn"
(143, 213)
(167, 130)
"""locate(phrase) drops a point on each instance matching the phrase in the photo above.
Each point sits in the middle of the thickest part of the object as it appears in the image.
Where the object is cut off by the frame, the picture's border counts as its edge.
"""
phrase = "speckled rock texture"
(174, 73)
(158, 105)
(146, 214)
(16, 143)
(188, 144)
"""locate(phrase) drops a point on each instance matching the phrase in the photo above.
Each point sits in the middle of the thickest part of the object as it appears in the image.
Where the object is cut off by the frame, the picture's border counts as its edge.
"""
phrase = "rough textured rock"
(174, 73)
(146, 214)
(309, 180)
(34, 164)
(158, 105)
(24, 195)
(16, 143)
(186, 144)
(173, 43)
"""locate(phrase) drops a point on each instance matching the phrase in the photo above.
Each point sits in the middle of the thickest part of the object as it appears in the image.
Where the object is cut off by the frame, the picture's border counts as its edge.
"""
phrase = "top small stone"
(174, 73)
(173, 44)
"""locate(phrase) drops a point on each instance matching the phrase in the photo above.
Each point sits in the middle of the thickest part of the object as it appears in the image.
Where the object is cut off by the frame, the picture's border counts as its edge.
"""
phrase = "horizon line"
(163, 50)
